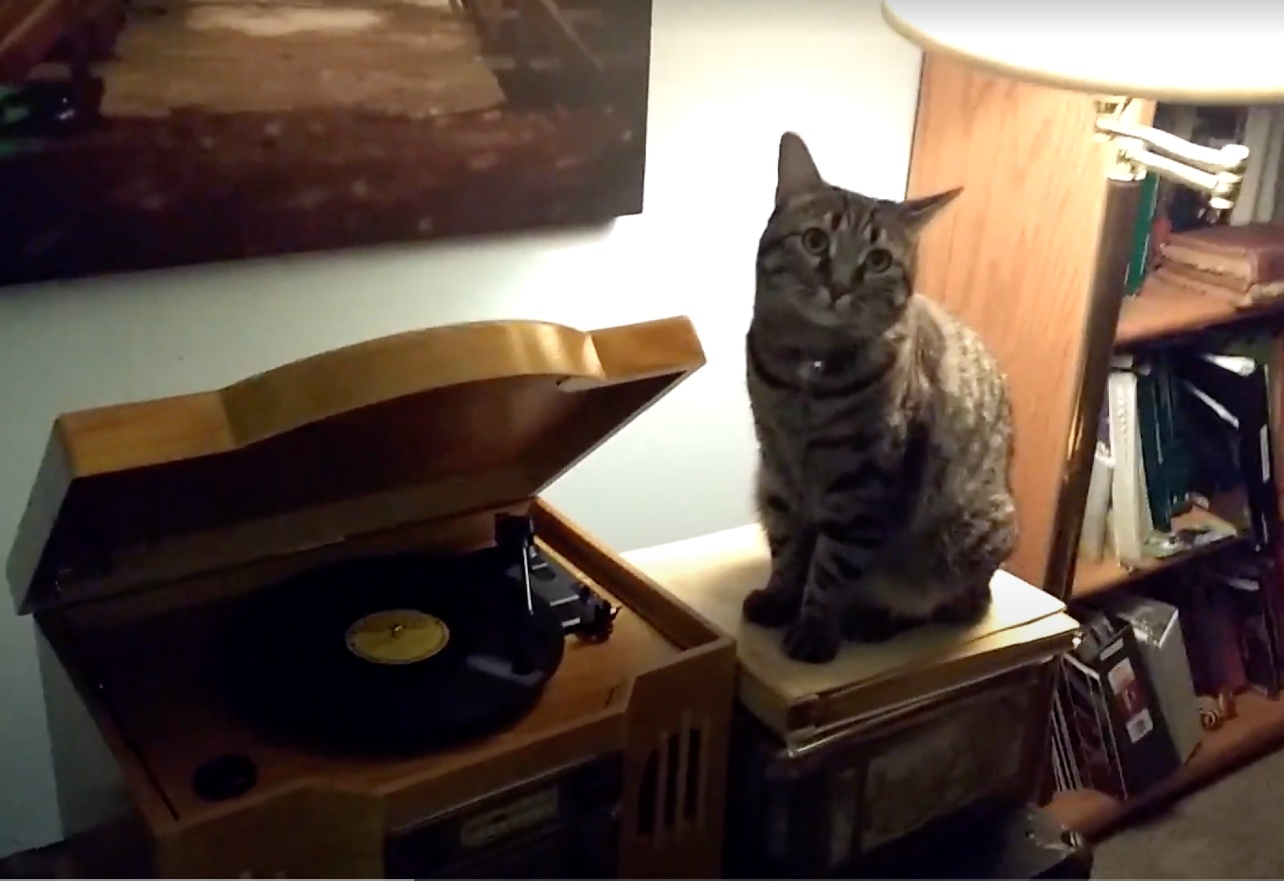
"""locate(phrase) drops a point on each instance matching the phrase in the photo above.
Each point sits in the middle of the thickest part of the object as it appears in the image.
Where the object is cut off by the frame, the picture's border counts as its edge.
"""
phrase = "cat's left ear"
(918, 213)
(796, 170)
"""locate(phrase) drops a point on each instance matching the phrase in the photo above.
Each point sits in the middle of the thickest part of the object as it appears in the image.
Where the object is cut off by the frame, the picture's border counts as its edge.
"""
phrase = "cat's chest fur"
(820, 389)
(819, 412)
(831, 416)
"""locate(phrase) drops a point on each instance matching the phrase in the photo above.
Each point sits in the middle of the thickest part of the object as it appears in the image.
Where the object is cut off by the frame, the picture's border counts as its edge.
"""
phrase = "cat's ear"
(918, 213)
(796, 172)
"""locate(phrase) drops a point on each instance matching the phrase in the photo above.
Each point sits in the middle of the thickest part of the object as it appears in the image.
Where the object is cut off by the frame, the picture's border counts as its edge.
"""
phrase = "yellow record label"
(397, 636)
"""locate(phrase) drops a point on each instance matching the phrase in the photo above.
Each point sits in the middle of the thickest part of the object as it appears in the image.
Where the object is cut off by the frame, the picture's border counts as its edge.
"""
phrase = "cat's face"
(836, 258)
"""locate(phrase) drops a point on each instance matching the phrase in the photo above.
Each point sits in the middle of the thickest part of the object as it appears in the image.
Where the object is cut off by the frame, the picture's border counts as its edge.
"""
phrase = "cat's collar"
(832, 364)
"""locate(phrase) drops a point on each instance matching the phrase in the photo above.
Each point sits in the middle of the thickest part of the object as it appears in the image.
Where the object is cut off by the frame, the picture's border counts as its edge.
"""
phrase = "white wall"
(727, 77)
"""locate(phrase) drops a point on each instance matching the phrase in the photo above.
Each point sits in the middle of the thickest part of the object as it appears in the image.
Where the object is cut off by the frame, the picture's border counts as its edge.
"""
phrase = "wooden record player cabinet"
(150, 521)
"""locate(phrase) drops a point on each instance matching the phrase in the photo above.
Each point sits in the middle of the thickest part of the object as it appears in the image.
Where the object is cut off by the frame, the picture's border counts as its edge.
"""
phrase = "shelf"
(1256, 730)
(1165, 310)
(1097, 576)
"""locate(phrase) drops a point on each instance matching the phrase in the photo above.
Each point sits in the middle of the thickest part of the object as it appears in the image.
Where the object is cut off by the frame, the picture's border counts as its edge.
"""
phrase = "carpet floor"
(1231, 829)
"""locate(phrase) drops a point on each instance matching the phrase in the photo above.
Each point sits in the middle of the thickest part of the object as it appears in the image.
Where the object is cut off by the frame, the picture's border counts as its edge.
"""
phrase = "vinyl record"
(397, 653)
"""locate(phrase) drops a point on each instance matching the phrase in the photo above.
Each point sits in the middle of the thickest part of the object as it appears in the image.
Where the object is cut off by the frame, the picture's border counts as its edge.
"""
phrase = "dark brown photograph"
(139, 134)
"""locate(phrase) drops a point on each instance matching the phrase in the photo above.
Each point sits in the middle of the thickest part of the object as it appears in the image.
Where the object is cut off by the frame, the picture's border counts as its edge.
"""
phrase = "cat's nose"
(848, 274)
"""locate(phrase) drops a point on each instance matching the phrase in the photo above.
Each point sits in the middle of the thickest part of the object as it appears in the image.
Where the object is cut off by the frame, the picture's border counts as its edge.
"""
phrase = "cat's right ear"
(796, 171)
(918, 213)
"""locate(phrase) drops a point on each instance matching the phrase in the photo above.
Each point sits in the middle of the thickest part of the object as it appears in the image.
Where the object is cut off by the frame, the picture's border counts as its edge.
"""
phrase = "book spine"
(1139, 257)
(1131, 517)
(1149, 425)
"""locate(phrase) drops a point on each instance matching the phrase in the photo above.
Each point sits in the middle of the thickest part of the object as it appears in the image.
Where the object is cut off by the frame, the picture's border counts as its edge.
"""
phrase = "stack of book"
(1243, 265)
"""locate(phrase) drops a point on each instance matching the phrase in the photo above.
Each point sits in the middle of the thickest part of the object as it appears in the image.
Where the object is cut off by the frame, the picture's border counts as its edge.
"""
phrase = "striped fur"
(883, 425)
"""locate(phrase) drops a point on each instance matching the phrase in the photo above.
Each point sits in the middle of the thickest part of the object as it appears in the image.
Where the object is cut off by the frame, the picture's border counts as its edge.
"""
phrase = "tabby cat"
(883, 424)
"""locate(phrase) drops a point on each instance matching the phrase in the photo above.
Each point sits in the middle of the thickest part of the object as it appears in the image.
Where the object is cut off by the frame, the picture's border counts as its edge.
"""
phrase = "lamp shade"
(1224, 52)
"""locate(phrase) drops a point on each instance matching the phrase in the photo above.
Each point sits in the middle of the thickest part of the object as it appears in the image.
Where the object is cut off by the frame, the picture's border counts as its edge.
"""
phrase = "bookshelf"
(1015, 258)
(1166, 312)
(1097, 576)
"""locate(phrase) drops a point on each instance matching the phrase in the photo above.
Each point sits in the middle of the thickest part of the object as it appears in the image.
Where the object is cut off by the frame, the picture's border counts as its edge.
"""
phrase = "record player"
(327, 627)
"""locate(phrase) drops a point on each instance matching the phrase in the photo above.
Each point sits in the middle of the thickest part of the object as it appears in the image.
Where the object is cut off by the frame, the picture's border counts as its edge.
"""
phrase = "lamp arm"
(1216, 171)
(1222, 188)
(1232, 158)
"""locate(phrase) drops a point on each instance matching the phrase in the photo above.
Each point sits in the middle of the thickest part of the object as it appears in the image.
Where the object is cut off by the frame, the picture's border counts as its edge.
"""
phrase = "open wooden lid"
(382, 434)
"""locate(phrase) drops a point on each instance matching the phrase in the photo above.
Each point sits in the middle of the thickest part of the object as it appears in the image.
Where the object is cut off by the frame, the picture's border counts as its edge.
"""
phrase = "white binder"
(1130, 519)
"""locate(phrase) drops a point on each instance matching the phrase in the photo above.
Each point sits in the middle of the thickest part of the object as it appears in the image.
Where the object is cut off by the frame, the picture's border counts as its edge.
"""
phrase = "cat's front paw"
(770, 607)
(967, 607)
(813, 639)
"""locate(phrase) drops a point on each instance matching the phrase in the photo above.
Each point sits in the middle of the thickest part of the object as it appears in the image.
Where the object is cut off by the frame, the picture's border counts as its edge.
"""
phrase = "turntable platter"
(399, 653)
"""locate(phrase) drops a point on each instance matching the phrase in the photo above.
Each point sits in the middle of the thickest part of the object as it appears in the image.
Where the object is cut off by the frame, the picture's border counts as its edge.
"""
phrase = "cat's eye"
(878, 260)
(814, 241)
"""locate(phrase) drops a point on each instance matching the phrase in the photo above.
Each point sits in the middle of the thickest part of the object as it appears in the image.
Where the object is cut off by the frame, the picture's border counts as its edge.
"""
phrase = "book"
(1157, 628)
(1024, 626)
(1255, 578)
(1139, 259)
(1233, 429)
(1245, 606)
(1246, 257)
(1096, 521)
(1123, 735)
(1174, 451)
(1130, 510)
(1240, 293)
(1150, 426)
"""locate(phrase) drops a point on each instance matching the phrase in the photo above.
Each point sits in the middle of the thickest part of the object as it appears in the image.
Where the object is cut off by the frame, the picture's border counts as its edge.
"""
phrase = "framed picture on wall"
(139, 134)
